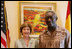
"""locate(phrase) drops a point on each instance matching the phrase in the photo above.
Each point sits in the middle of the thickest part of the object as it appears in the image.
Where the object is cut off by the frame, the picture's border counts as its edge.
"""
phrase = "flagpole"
(8, 44)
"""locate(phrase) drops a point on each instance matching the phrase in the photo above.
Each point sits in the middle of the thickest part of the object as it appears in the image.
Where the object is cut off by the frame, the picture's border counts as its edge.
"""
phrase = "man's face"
(50, 19)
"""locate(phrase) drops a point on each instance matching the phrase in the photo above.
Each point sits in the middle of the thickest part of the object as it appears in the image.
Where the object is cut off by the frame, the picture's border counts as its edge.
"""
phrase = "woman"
(26, 41)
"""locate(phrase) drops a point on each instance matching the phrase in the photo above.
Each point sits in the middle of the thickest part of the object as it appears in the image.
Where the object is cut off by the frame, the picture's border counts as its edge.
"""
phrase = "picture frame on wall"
(34, 12)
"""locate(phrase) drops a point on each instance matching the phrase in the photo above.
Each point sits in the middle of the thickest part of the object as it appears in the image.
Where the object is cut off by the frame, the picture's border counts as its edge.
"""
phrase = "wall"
(12, 16)
(61, 12)
(12, 8)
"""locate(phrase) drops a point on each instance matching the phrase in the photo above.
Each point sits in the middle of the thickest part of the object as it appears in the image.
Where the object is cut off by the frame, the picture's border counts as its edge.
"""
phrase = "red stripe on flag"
(3, 42)
(68, 9)
(8, 38)
(7, 35)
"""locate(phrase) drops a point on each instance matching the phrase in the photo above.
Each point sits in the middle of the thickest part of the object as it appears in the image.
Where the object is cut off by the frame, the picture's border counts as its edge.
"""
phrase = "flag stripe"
(3, 42)
(2, 46)
(3, 35)
(8, 38)
(68, 24)
(68, 9)
(68, 18)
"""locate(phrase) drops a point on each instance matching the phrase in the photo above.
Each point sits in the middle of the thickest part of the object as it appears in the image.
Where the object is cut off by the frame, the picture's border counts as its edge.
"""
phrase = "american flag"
(5, 39)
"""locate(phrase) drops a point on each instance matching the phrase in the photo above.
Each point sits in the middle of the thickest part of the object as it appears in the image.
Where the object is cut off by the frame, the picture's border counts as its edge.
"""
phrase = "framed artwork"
(34, 13)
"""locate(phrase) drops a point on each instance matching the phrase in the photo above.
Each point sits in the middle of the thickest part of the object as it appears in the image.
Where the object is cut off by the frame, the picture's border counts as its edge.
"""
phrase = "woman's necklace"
(26, 42)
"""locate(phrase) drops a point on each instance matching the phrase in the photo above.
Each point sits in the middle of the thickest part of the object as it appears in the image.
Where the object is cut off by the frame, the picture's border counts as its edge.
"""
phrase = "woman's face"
(26, 31)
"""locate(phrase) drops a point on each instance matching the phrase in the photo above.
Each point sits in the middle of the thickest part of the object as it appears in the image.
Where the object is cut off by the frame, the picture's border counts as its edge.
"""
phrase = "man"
(54, 36)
